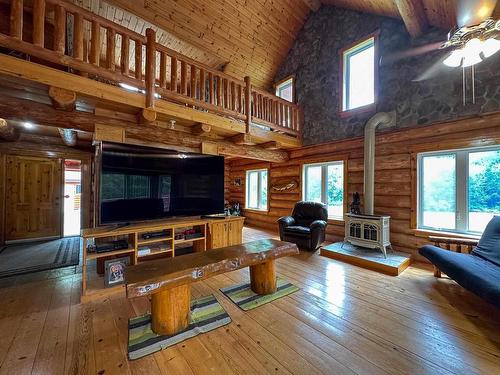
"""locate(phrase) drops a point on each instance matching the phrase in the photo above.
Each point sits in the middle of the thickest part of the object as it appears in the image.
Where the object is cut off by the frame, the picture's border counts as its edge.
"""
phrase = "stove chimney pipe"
(384, 119)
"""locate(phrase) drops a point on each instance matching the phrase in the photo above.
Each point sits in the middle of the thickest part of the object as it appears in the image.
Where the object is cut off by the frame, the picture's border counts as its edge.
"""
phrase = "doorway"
(72, 197)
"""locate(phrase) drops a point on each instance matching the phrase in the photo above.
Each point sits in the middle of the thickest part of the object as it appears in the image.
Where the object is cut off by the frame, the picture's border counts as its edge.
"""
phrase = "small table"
(168, 281)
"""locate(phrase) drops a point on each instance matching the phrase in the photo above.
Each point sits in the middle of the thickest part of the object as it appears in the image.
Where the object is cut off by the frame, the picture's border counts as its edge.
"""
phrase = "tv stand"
(211, 233)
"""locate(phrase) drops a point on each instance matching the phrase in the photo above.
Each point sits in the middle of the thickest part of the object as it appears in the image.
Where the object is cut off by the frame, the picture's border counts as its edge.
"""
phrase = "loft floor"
(344, 320)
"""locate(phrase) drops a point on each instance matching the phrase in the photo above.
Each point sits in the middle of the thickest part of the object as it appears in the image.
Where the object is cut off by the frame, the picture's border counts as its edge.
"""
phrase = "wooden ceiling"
(440, 13)
(251, 37)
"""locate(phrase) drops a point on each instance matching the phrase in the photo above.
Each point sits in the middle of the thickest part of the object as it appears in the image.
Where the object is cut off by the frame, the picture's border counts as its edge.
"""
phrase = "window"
(256, 189)
(324, 182)
(358, 75)
(458, 191)
(285, 89)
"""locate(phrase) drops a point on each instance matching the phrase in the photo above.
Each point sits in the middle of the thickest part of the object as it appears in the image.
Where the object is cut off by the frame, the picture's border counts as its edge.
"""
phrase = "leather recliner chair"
(307, 225)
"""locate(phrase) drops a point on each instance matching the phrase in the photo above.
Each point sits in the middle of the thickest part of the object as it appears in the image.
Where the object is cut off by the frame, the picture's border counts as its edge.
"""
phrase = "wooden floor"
(344, 320)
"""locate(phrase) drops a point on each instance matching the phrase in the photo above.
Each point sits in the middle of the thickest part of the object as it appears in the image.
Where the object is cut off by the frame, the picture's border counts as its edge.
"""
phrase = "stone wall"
(314, 59)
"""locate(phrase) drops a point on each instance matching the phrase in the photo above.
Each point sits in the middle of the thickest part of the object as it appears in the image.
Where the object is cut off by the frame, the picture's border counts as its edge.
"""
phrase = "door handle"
(66, 196)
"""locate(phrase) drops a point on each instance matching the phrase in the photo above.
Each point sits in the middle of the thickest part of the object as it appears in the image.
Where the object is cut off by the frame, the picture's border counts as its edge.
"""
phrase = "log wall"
(394, 174)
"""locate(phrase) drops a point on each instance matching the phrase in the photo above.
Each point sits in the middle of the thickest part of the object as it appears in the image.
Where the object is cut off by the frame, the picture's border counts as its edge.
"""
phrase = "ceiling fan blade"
(391, 58)
(435, 70)
(473, 12)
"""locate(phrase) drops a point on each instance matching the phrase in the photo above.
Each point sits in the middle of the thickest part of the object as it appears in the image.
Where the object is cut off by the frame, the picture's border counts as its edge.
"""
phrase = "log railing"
(90, 45)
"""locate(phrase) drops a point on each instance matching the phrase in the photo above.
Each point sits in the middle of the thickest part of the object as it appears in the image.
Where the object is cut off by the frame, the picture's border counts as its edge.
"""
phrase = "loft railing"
(90, 45)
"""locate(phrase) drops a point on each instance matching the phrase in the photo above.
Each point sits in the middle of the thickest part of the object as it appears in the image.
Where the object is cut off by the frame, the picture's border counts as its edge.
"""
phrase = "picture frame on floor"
(114, 271)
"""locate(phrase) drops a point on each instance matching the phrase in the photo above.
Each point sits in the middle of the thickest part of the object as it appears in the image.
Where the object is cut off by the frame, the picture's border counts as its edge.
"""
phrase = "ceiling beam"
(314, 5)
(62, 99)
(413, 14)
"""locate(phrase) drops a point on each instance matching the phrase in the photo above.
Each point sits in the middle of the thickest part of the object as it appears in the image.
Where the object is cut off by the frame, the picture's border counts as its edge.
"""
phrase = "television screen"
(142, 183)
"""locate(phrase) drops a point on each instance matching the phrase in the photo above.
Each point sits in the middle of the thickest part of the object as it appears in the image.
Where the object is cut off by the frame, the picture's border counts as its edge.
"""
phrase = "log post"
(150, 67)
(248, 103)
(38, 22)
(170, 310)
(8, 132)
(124, 59)
(263, 278)
(16, 19)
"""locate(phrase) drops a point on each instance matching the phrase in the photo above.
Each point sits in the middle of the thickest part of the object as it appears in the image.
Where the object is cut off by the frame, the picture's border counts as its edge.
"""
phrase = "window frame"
(259, 189)
(342, 77)
(284, 82)
(324, 171)
(461, 189)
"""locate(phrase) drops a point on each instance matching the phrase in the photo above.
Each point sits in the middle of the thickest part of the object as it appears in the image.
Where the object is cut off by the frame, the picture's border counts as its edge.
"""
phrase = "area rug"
(206, 315)
(243, 296)
(24, 258)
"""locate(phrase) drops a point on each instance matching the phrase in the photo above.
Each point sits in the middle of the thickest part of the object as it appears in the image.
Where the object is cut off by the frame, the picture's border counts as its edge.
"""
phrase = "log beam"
(147, 115)
(8, 132)
(413, 14)
(200, 129)
(62, 99)
(271, 145)
(243, 139)
(68, 137)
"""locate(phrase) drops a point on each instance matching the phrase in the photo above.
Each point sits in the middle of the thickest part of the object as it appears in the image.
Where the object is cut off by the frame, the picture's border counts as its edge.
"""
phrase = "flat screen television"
(143, 183)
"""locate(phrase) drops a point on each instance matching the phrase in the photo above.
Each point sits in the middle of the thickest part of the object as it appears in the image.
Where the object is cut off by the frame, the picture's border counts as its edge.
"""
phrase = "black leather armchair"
(307, 225)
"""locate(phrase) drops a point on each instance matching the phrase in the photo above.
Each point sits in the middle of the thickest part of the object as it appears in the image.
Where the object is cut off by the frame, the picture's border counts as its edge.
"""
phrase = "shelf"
(176, 242)
(109, 253)
(153, 240)
(155, 252)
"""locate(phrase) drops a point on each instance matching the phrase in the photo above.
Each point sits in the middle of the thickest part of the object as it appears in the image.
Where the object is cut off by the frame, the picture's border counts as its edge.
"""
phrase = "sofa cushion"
(297, 229)
(489, 245)
(472, 272)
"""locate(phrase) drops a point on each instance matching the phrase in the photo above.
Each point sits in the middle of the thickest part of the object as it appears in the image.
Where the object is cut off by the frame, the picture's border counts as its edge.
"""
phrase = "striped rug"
(243, 296)
(206, 315)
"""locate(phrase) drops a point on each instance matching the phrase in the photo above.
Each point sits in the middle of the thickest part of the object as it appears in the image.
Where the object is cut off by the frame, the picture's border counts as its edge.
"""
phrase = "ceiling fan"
(475, 38)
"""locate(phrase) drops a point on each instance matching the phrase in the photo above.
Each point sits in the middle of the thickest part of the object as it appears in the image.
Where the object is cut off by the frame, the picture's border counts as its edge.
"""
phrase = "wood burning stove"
(371, 231)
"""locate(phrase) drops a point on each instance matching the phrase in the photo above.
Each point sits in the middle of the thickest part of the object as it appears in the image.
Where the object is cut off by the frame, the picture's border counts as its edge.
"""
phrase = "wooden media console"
(212, 233)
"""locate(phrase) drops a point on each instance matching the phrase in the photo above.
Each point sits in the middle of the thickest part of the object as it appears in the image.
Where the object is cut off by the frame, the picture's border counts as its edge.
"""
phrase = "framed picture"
(114, 271)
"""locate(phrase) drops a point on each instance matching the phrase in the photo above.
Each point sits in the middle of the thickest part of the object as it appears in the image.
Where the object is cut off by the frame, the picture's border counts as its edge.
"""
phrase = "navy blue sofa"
(479, 271)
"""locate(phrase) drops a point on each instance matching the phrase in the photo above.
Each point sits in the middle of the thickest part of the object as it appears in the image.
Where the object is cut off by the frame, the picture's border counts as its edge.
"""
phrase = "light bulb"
(455, 59)
(490, 47)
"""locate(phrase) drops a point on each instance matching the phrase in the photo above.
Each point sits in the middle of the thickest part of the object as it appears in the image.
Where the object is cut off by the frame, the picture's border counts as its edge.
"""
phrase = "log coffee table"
(168, 281)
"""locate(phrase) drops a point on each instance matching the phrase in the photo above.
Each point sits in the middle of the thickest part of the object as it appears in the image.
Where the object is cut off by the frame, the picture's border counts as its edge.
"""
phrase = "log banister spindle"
(219, 91)
(193, 81)
(78, 37)
(211, 98)
(138, 59)
(95, 41)
(150, 67)
(60, 29)
(163, 69)
(110, 48)
(173, 74)
(183, 78)
(125, 55)
(39, 22)
(248, 103)
(16, 19)
(203, 85)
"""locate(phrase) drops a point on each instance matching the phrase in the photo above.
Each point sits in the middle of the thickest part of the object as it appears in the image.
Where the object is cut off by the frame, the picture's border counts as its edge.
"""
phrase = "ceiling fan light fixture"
(471, 52)
(490, 47)
(455, 59)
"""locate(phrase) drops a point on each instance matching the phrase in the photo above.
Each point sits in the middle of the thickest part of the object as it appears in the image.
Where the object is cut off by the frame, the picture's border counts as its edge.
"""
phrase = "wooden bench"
(168, 281)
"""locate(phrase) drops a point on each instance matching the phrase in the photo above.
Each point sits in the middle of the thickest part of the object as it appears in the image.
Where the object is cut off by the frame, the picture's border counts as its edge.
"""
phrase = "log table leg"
(263, 278)
(170, 310)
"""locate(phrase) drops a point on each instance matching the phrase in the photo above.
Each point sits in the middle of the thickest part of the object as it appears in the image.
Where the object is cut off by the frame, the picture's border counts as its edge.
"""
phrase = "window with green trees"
(256, 189)
(458, 191)
(324, 182)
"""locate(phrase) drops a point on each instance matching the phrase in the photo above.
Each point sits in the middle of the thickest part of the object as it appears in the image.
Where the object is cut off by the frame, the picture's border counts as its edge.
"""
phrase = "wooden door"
(33, 199)
(234, 232)
(218, 235)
